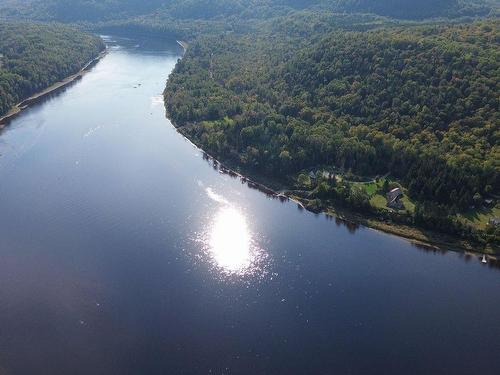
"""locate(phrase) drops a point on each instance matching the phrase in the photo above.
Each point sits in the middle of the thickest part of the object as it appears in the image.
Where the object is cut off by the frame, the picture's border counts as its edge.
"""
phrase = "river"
(124, 251)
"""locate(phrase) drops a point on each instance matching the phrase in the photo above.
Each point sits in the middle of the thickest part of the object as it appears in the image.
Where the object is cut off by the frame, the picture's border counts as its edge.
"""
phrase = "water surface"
(124, 251)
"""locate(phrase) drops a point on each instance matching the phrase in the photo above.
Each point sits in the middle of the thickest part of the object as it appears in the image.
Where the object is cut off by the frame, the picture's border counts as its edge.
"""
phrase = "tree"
(478, 199)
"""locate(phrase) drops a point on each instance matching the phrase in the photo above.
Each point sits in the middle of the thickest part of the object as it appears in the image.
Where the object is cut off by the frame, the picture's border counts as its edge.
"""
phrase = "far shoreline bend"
(36, 98)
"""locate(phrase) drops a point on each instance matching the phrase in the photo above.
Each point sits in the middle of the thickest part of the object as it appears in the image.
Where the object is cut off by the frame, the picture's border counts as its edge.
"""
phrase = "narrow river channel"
(124, 251)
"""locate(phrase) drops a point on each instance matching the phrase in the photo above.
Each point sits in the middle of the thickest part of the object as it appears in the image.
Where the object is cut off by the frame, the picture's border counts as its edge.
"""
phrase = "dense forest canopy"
(420, 9)
(93, 10)
(34, 56)
(420, 103)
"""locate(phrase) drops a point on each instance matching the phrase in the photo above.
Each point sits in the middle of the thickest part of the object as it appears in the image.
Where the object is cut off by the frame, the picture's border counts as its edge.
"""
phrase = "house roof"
(394, 194)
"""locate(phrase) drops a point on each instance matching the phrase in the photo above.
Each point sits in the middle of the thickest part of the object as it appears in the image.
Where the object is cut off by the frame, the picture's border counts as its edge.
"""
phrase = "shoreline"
(434, 241)
(183, 44)
(39, 96)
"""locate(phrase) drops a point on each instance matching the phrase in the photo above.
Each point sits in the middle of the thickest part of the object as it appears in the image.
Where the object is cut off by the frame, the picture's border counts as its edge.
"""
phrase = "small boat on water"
(484, 260)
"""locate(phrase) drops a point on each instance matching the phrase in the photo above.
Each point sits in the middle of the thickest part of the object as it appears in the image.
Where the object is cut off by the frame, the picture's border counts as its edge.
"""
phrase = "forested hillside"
(420, 104)
(411, 9)
(91, 10)
(34, 56)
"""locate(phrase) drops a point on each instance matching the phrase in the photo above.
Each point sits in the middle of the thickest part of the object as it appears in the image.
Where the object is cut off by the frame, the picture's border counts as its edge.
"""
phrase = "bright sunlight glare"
(230, 241)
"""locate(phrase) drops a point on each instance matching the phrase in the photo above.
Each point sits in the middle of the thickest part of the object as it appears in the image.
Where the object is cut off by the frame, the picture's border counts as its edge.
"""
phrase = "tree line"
(93, 10)
(35, 56)
(420, 103)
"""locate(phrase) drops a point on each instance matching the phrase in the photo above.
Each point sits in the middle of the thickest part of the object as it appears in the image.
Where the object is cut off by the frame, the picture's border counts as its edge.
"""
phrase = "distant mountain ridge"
(411, 9)
(92, 10)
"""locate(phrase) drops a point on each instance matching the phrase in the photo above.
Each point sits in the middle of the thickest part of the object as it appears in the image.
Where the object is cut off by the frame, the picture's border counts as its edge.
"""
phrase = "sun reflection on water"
(229, 243)
(230, 240)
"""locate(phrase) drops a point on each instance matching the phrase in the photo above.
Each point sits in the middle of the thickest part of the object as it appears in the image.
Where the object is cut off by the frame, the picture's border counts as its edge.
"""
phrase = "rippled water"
(124, 251)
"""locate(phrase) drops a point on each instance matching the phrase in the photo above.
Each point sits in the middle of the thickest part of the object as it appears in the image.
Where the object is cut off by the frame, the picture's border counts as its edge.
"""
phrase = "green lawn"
(479, 218)
(378, 201)
(370, 188)
(409, 205)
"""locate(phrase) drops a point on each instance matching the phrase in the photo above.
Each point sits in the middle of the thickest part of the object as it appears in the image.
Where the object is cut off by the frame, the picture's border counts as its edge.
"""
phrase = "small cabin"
(312, 176)
(394, 199)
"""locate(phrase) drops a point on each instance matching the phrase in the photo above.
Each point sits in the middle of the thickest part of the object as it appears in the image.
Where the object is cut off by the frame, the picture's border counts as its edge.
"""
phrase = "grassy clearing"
(434, 241)
(370, 188)
(479, 218)
(409, 205)
(378, 201)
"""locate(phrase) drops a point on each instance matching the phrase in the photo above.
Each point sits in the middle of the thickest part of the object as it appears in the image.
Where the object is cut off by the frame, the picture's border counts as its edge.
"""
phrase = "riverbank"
(183, 44)
(422, 238)
(18, 108)
(281, 189)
